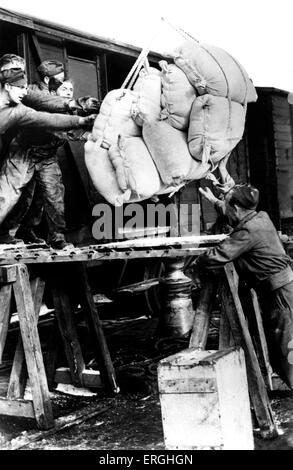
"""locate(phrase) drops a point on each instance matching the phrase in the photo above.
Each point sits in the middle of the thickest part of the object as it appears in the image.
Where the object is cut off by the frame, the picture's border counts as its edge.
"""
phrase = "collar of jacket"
(242, 222)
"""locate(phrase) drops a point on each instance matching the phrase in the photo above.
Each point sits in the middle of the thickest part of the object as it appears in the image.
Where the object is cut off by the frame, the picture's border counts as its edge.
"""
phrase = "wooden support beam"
(19, 408)
(263, 347)
(242, 337)
(90, 378)
(5, 299)
(64, 422)
(54, 346)
(32, 349)
(225, 334)
(101, 350)
(200, 326)
(65, 316)
(7, 274)
(18, 376)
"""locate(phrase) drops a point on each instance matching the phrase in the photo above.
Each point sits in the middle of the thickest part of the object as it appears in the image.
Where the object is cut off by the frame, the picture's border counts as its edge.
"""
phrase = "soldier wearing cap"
(14, 115)
(48, 69)
(259, 256)
(33, 194)
(42, 99)
(45, 171)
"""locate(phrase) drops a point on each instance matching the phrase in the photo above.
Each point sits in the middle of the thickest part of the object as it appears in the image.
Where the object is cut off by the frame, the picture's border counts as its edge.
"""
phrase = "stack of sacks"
(175, 126)
(217, 117)
(166, 144)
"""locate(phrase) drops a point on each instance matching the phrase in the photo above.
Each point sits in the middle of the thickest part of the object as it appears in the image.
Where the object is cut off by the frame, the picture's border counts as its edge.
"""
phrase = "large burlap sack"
(103, 174)
(216, 126)
(212, 70)
(177, 96)
(115, 118)
(147, 105)
(169, 150)
(135, 168)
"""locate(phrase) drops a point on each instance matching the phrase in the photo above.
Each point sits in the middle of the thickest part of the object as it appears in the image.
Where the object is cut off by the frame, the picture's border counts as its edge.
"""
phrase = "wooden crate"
(204, 400)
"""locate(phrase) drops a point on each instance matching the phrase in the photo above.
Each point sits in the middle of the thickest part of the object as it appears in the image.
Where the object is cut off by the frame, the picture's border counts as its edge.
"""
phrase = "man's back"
(266, 255)
(254, 246)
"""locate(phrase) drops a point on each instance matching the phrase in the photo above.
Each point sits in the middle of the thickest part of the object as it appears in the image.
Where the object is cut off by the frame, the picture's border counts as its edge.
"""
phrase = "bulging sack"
(103, 174)
(135, 168)
(177, 96)
(212, 70)
(169, 150)
(216, 126)
(115, 118)
(147, 91)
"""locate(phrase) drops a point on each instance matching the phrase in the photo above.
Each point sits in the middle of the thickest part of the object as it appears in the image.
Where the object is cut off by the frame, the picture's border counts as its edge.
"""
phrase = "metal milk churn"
(177, 313)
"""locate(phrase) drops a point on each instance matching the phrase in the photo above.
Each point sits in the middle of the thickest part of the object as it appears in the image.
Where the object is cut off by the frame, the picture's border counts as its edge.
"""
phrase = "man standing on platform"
(14, 115)
(260, 259)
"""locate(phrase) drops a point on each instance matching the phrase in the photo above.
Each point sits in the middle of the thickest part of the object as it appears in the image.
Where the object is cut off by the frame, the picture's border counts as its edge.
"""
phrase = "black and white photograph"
(146, 228)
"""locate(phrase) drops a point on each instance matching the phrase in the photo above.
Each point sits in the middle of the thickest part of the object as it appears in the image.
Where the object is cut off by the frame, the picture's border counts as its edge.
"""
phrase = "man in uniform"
(14, 115)
(38, 97)
(259, 256)
(45, 171)
(48, 69)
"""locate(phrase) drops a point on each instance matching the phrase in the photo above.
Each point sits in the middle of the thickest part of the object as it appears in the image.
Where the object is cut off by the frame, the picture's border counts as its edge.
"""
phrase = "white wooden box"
(204, 400)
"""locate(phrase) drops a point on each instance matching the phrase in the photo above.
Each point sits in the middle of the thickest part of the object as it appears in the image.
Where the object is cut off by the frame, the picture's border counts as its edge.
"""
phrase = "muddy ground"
(131, 419)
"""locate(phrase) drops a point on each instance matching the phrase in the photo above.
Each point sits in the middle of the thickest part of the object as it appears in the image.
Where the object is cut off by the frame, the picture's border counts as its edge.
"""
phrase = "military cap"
(49, 68)
(244, 195)
(14, 76)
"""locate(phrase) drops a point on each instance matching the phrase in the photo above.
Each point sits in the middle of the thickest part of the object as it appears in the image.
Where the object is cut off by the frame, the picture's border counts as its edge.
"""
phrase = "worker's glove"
(89, 105)
(87, 121)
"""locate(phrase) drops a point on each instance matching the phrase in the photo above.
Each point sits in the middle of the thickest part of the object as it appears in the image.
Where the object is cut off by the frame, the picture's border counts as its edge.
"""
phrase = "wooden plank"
(54, 347)
(283, 144)
(225, 339)
(262, 339)
(101, 350)
(5, 314)
(257, 387)
(19, 408)
(65, 318)
(18, 376)
(62, 423)
(90, 378)
(7, 274)
(150, 242)
(138, 287)
(90, 254)
(227, 305)
(283, 128)
(32, 349)
(69, 34)
(200, 327)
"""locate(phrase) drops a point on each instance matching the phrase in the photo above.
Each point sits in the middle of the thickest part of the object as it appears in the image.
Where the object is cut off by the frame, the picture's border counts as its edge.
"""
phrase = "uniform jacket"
(22, 116)
(256, 249)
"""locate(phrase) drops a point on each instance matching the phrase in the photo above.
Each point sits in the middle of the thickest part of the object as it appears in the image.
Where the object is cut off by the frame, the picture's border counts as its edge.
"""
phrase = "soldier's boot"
(29, 236)
(6, 238)
(57, 241)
